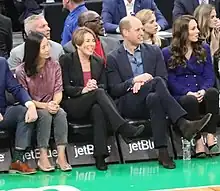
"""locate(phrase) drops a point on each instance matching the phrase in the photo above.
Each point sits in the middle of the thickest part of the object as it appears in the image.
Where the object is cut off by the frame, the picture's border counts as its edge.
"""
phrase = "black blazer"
(5, 36)
(119, 71)
(73, 82)
(187, 7)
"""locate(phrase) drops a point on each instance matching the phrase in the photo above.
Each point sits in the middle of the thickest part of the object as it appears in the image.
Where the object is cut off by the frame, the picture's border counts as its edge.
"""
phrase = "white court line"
(187, 188)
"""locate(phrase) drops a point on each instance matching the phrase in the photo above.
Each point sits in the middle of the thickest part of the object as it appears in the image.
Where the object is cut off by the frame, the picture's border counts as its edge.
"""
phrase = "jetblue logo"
(2, 157)
(35, 154)
(85, 150)
(141, 145)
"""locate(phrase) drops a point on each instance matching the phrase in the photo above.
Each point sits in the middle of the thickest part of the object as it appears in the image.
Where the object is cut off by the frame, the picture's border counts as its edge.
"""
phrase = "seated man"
(114, 10)
(104, 44)
(137, 78)
(75, 7)
(35, 23)
(16, 118)
(187, 7)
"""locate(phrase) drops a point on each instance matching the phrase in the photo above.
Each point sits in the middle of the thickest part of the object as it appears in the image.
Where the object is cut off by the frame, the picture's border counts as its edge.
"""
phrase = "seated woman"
(209, 26)
(148, 19)
(42, 78)
(84, 82)
(191, 77)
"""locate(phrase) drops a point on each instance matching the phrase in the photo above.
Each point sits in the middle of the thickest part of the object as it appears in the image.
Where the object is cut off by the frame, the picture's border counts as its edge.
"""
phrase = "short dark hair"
(78, 35)
(31, 52)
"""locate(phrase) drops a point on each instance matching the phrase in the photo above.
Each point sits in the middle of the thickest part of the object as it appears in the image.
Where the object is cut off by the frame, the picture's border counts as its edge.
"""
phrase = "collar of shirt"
(203, 1)
(138, 49)
(129, 7)
(76, 9)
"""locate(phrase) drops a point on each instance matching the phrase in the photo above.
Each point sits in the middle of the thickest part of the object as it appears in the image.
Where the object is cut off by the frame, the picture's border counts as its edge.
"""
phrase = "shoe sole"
(19, 172)
(160, 163)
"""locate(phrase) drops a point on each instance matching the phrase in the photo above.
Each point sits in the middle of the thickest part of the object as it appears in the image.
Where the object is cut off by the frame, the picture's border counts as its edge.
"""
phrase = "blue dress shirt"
(71, 23)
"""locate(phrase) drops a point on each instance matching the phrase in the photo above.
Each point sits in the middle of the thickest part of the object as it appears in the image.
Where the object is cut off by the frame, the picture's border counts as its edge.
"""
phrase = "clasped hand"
(90, 86)
(53, 107)
(139, 81)
(199, 95)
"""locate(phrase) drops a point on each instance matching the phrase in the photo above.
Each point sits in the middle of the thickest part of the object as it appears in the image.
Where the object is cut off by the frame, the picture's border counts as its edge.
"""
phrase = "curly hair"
(179, 43)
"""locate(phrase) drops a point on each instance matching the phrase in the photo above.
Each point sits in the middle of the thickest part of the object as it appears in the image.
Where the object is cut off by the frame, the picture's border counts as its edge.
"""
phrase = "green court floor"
(144, 176)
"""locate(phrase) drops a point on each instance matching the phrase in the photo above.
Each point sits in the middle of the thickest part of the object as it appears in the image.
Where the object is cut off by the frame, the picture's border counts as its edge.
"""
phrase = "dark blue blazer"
(187, 7)
(119, 72)
(193, 77)
(114, 10)
(9, 83)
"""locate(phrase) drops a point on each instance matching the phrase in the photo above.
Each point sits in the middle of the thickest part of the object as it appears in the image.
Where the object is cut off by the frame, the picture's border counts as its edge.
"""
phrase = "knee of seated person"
(43, 113)
(20, 110)
(158, 79)
(99, 92)
(212, 93)
(96, 107)
(153, 98)
(61, 112)
(189, 100)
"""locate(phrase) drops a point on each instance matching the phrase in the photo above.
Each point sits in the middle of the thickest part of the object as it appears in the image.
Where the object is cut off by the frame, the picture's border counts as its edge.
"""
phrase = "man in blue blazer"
(137, 78)
(187, 7)
(114, 10)
(17, 118)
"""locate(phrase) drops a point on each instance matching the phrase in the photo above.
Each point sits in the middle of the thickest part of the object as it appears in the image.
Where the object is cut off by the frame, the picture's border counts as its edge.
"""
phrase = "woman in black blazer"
(84, 82)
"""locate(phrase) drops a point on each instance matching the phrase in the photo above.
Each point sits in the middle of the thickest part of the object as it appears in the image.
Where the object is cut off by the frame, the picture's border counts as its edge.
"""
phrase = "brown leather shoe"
(21, 168)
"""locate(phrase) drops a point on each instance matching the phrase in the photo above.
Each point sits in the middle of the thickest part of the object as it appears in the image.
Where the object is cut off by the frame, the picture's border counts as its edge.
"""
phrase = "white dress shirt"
(204, 1)
(129, 7)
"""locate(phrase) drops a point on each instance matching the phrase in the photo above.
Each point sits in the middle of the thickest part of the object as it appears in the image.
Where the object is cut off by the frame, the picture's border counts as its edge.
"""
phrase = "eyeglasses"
(96, 20)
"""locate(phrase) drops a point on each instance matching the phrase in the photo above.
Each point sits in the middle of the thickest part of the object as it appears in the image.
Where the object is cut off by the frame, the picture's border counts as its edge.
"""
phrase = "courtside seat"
(4, 139)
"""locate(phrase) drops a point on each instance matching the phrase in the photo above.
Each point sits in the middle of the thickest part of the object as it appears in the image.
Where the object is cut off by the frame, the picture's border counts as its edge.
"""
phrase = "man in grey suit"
(39, 24)
(93, 21)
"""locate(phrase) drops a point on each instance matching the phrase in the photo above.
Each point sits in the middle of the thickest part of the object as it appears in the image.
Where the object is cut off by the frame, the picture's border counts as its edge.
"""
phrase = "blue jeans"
(14, 120)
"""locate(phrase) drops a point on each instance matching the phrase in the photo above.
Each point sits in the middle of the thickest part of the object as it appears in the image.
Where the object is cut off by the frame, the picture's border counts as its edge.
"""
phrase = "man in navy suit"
(17, 118)
(114, 10)
(137, 78)
(187, 7)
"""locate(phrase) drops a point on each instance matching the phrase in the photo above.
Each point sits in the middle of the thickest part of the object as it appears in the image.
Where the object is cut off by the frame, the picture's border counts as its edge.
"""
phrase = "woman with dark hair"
(42, 78)
(191, 77)
(84, 81)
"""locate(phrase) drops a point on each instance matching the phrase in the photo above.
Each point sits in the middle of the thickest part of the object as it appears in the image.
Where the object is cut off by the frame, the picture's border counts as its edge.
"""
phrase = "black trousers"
(155, 100)
(100, 108)
(210, 104)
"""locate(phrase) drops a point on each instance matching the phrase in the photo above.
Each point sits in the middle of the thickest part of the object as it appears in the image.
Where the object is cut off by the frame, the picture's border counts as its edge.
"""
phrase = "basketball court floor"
(197, 174)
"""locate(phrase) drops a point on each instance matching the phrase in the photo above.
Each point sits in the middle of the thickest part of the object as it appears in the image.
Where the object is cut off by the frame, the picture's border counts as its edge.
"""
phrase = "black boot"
(189, 129)
(128, 132)
(165, 160)
(100, 163)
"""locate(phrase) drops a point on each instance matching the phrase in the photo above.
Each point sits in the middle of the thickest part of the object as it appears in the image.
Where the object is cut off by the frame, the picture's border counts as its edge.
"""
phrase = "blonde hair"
(29, 23)
(78, 36)
(202, 15)
(144, 16)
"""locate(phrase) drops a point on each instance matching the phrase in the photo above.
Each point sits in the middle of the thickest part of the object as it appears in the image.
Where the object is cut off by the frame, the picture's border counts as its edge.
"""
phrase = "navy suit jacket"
(9, 83)
(119, 72)
(193, 77)
(114, 10)
(187, 7)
